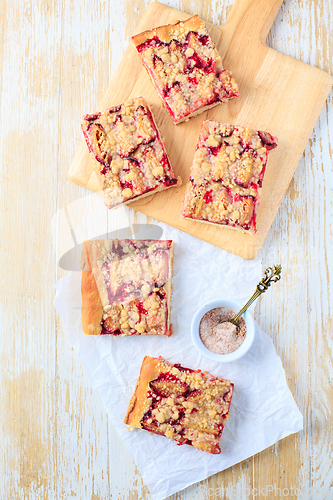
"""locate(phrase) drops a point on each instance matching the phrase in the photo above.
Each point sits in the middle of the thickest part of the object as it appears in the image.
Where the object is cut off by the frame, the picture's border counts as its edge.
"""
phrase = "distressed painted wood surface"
(56, 61)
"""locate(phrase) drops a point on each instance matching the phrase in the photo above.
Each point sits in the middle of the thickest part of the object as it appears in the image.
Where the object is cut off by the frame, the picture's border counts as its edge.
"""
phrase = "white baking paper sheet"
(262, 411)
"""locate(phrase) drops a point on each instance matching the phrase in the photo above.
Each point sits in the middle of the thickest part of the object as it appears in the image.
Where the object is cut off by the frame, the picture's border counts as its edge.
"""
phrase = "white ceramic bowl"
(242, 349)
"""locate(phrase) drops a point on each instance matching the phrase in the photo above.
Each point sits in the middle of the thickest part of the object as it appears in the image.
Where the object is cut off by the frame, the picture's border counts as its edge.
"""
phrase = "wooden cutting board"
(277, 93)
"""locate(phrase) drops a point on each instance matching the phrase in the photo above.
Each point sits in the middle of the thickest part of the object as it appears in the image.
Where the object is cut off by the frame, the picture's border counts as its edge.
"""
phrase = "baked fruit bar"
(131, 160)
(185, 68)
(126, 287)
(186, 405)
(226, 175)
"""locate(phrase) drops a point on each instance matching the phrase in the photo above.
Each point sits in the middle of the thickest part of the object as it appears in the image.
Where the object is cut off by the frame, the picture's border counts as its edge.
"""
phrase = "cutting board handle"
(255, 17)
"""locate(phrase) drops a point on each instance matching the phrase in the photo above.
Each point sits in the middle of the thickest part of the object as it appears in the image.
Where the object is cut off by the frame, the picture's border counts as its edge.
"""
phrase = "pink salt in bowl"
(231, 356)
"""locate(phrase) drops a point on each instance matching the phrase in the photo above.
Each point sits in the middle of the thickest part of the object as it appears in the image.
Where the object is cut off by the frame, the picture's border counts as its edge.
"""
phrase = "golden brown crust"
(169, 289)
(139, 403)
(92, 308)
(167, 32)
(145, 195)
(198, 111)
(239, 229)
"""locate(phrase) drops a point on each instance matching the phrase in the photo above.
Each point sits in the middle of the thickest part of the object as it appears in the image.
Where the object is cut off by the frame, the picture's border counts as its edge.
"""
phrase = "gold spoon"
(272, 275)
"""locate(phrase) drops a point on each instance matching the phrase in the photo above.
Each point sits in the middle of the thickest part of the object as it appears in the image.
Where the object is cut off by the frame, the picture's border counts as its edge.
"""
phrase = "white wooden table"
(56, 441)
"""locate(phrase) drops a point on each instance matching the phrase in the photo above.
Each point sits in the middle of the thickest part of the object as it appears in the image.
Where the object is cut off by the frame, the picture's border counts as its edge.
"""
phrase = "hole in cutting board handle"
(253, 18)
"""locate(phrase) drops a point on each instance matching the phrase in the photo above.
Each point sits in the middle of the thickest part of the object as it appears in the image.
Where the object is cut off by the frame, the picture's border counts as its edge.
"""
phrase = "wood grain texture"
(56, 443)
(82, 469)
(277, 93)
(27, 354)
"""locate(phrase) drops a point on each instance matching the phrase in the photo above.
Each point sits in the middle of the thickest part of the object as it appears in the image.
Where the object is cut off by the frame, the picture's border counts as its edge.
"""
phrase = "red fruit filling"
(141, 309)
(267, 139)
(208, 197)
(167, 385)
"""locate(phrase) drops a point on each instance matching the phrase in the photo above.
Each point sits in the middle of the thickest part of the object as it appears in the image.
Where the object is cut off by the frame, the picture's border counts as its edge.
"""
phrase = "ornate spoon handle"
(272, 274)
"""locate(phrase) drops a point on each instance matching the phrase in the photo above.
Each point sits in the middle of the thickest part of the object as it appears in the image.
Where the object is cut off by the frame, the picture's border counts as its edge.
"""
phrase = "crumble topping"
(186, 405)
(132, 160)
(185, 67)
(227, 174)
(134, 284)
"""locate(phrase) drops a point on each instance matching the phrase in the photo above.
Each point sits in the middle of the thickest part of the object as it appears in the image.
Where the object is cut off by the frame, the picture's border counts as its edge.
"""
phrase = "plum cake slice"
(185, 68)
(186, 405)
(126, 287)
(226, 176)
(131, 159)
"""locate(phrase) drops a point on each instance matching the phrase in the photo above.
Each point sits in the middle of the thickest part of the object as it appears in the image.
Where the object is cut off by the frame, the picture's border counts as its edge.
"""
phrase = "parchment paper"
(263, 410)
